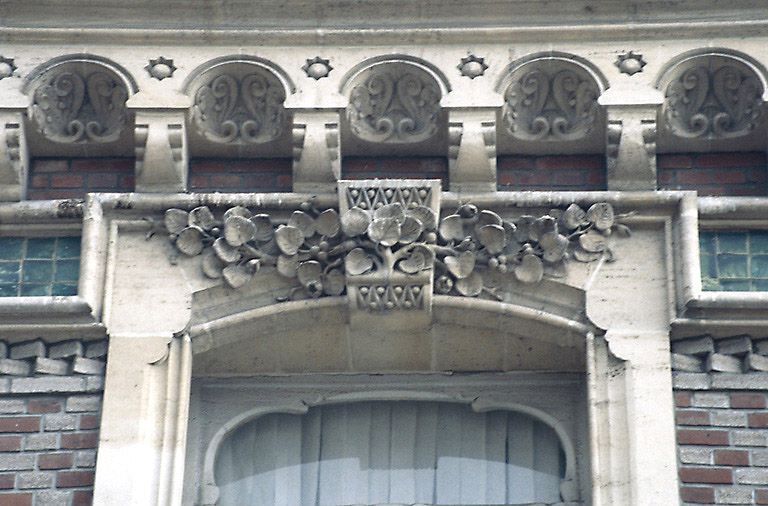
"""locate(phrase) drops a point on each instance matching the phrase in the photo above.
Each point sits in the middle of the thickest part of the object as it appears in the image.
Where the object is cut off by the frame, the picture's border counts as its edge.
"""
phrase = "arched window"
(400, 452)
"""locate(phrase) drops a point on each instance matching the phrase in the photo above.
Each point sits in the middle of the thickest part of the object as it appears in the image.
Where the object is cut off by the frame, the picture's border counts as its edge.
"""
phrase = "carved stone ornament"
(387, 249)
(713, 103)
(552, 104)
(160, 68)
(7, 67)
(235, 108)
(78, 106)
(394, 103)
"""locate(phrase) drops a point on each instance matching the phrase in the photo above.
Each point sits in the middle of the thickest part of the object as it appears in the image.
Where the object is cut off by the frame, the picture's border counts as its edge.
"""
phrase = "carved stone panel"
(712, 97)
(394, 103)
(551, 100)
(236, 104)
(79, 103)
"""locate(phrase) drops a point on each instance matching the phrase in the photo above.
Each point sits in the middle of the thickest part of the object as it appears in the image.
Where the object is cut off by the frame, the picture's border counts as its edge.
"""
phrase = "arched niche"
(237, 104)
(394, 107)
(713, 100)
(550, 104)
(78, 107)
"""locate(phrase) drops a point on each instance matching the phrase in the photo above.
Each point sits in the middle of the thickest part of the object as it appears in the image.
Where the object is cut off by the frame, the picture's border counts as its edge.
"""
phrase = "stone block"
(51, 366)
(60, 421)
(15, 367)
(12, 406)
(752, 476)
(760, 458)
(723, 363)
(695, 455)
(35, 479)
(744, 381)
(29, 349)
(690, 380)
(3, 349)
(755, 362)
(700, 346)
(748, 438)
(731, 495)
(85, 458)
(81, 365)
(53, 498)
(67, 349)
(740, 345)
(710, 400)
(48, 441)
(728, 418)
(688, 363)
(94, 383)
(47, 385)
(79, 403)
(760, 346)
(96, 349)
(16, 461)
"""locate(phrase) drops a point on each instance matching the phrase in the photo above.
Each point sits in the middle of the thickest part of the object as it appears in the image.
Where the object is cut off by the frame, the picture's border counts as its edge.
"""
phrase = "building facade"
(383, 253)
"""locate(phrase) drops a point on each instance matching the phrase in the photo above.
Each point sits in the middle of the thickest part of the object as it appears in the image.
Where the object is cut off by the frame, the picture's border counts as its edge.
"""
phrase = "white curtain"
(390, 452)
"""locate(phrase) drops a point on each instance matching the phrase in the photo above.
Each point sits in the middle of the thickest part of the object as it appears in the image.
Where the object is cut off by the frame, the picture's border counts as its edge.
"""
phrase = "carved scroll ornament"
(229, 109)
(72, 107)
(713, 103)
(555, 106)
(395, 238)
(394, 104)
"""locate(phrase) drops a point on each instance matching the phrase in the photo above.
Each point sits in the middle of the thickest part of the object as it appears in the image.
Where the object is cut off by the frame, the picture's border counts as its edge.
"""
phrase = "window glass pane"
(39, 266)
(391, 453)
(734, 260)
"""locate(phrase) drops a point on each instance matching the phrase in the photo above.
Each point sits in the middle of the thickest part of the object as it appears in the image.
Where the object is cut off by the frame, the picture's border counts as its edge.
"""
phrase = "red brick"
(506, 179)
(208, 166)
(534, 178)
(694, 177)
(226, 181)
(20, 424)
(711, 191)
(674, 161)
(761, 496)
(731, 457)
(82, 498)
(361, 165)
(102, 181)
(682, 399)
(56, 194)
(103, 165)
(697, 494)
(10, 443)
(272, 165)
(666, 177)
(711, 160)
(285, 181)
(733, 176)
(412, 165)
(704, 475)
(589, 162)
(758, 420)
(38, 406)
(754, 401)
(7, 480)
(757, 176)
(81, 440)
(198, 181)
(128, 182)
(265, 181)
(50, 166)
(746, 190)
(66, 181)
(686, 417)
(596, 179)
(74, 478)
(88, 422)
(39, 181)
(55, 460)
(515, 163)
(701, 437)
(569, 178)
(16, 499)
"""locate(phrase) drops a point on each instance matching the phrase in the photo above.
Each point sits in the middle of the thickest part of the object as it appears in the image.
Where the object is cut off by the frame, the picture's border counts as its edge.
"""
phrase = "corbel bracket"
(161, 151)
(472, 149)
(316, 151)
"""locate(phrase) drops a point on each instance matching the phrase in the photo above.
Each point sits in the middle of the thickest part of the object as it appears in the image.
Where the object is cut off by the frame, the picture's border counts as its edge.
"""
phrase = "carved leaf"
(212, 266)
(410, 230)
(304, 222)
(622, 230)
(593, 242)
(289, 239)
(426, 216)
(486, 217)
(202, 217)
(419, 259)
(334, 282)
(394, 211)
(176, 220)
(236, 275)
(452, 228)
(601, 215)
(471, 286)
(238, 230)
(462, 265)
(556, 269)
(541, 226)
(227, 253)
(385, 231)
(264, 231)
(358, 262)
(554, 246)
(523, 230)
(190, 241)
(585, 256)
(573, 217)
(309, 272)
(493, 237)
(287, 265)
(355, 222)
(328, 224)
(530, 270)
(237, 211)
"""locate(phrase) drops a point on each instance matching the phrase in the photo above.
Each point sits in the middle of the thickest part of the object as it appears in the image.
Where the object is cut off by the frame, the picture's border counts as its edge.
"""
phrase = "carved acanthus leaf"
(72, 107)
(230, 109)
(708, 103)
(394, 104)
(557, 105)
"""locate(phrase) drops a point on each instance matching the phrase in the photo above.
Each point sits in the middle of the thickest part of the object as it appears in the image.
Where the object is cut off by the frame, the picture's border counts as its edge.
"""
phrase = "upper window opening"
(734, 261)
(39, 266)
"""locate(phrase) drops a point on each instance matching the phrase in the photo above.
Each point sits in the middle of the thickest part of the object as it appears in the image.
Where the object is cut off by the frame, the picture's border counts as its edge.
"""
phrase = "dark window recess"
(34, 266)
(734, 261)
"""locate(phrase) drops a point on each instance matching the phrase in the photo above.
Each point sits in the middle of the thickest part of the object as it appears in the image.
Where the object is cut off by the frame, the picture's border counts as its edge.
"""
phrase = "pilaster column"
(161, 150)
(316, 150)
(472, 149)
(14, 156)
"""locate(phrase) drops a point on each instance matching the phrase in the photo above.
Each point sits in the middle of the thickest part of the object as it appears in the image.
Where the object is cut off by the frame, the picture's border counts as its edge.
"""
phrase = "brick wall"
(551, 173)
(721, 389)
(258, 175)
(396, 168)
(732, 174)
(50, 406)
(58, 178)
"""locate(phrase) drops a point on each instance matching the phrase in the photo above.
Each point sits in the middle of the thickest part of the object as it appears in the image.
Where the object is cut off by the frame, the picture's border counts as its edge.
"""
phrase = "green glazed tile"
(40, 247)
(67, 270)
(758, 266)
(735, 285)
(708, 266)
(732, 242)
(760, 285)
(706, 242)
(11, 248)
(68, 247)
(9, 272)
(9, 290)
(758, 241)
(33, 290)
(61, 289)
(732, 266)
(37, 271)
